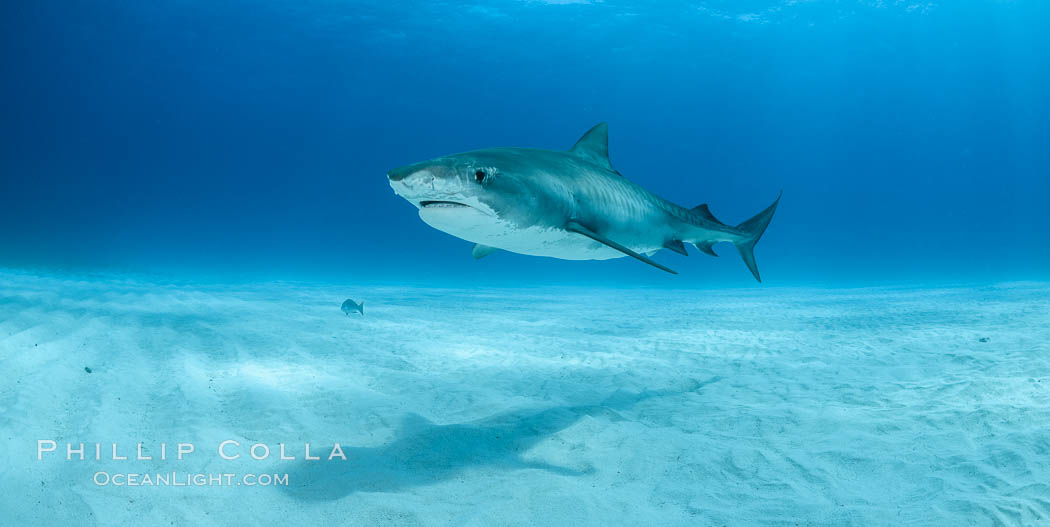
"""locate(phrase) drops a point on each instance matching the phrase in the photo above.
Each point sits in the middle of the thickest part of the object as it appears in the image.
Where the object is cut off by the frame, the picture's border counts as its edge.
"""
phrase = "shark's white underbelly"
(478, 227)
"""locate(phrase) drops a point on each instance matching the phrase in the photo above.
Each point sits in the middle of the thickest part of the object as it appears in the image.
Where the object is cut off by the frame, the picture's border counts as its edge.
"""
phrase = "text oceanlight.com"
(176, 479)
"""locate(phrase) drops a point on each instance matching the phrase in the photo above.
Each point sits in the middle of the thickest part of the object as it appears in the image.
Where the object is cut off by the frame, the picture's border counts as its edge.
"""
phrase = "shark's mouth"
(437, 204)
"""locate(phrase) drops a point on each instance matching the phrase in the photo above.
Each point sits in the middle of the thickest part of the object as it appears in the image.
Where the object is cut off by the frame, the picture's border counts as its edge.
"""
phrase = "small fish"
(349, 307)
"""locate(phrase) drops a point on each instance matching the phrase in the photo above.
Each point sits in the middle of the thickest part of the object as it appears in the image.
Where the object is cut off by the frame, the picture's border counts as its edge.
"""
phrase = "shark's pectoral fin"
(676, 246)
(705, 247)
(481, 251)
(576, 227)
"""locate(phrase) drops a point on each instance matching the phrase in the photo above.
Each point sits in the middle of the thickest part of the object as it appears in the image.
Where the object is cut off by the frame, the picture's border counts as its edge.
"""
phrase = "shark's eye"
(479, 175)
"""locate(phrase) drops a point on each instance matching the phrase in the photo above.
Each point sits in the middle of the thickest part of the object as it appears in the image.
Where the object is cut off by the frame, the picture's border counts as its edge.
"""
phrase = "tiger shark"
(568, 204)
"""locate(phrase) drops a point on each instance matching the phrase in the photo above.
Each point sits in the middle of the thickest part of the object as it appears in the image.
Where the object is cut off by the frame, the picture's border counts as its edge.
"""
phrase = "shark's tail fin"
(362, 306)
(754, 228)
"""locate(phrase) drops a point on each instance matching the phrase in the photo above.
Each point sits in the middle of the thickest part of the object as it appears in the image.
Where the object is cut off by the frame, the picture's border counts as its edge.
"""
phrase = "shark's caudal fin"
(754, 228)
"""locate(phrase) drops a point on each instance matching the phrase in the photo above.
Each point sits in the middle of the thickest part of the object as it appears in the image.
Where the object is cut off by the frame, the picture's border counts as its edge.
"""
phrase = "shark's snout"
(424, 172)
(425, 182)
(414, 184)
(401, 173)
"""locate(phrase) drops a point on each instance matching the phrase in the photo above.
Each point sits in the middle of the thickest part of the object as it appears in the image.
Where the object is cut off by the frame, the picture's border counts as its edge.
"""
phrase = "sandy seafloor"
(552, 406)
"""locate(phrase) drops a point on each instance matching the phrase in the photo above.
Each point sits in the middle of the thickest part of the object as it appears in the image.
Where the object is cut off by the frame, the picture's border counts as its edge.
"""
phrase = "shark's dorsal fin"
(594, 146)
(481, 251)
(574, 226)
(705, 213)
(676, 246)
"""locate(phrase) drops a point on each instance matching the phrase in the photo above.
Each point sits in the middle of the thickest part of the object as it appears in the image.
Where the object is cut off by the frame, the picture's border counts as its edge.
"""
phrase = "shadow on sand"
(425, 453)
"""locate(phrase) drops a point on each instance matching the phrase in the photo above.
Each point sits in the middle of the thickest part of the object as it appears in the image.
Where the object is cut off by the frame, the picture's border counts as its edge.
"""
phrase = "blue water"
(189, 190)
(252, 138)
